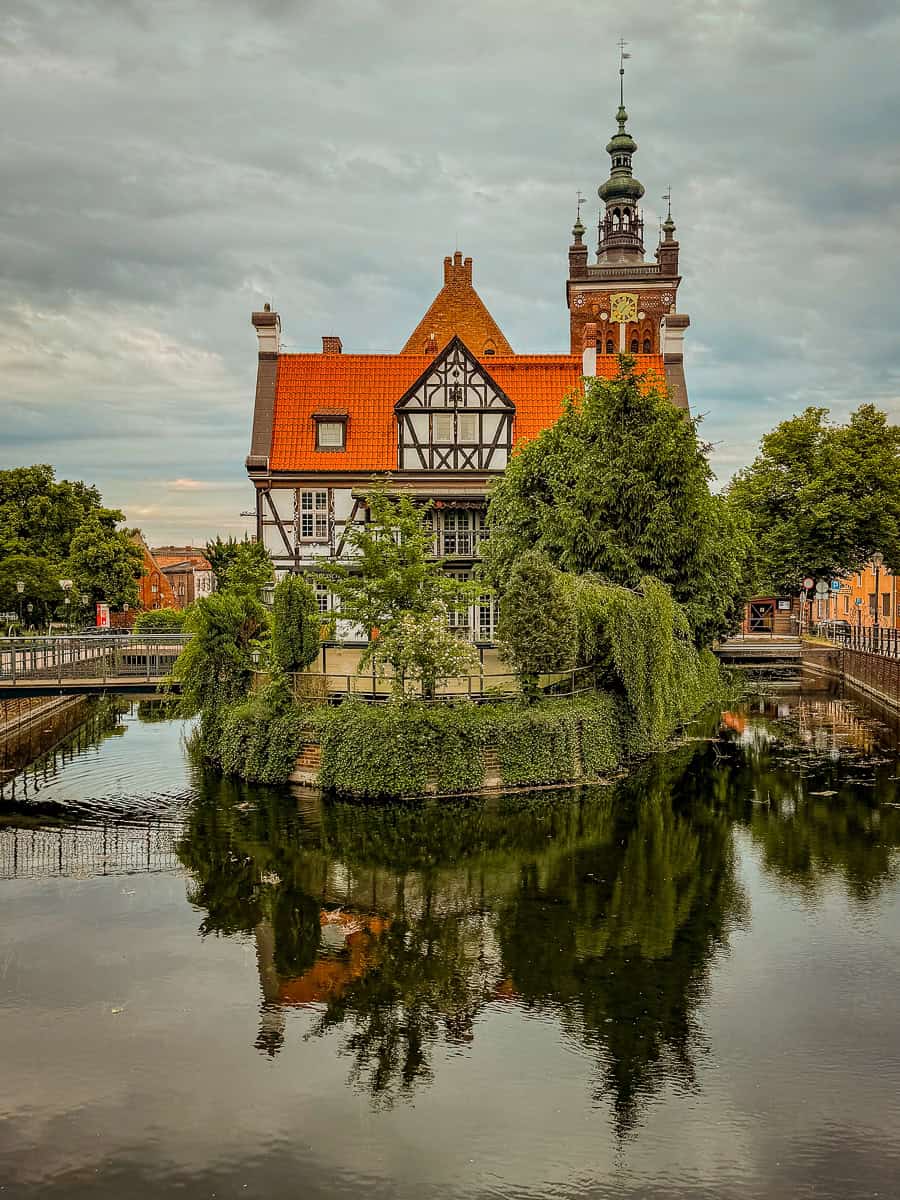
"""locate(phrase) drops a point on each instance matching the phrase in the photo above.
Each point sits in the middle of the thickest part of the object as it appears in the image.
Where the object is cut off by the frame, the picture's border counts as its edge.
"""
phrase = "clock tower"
(621, 304)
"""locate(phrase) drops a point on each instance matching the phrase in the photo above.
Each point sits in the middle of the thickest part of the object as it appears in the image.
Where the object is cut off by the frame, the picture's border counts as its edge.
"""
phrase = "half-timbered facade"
(442, 417)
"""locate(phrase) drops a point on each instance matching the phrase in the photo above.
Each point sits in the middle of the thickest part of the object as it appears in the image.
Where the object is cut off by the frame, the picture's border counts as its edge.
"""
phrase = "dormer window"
(331, 430)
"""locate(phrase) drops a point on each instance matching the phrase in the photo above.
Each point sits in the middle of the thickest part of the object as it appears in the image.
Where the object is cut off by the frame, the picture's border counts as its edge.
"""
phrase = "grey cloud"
(173, 165)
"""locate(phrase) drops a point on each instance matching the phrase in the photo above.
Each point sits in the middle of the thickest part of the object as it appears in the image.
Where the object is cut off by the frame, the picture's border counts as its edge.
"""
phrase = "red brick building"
(154, 589)
(188, 571)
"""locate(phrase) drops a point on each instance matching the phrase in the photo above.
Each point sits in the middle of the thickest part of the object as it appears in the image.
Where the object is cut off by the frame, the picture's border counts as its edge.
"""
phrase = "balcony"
(463, 543)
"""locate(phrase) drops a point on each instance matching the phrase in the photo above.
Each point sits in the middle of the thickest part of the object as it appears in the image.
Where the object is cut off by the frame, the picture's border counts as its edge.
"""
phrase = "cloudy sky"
(169, 165)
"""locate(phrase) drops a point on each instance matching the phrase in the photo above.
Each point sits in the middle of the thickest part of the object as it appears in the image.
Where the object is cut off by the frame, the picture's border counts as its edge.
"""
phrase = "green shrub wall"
(408, 748)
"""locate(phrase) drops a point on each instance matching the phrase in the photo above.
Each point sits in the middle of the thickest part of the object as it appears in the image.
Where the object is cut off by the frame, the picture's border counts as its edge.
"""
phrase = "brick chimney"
(332, 345)
(268, 330)
(589, 349)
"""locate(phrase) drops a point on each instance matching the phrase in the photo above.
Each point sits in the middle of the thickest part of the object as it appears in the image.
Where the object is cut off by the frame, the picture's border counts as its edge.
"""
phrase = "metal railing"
(56, 659)
(869, 639)
(485, 687)
(885, 642)
(86, 851)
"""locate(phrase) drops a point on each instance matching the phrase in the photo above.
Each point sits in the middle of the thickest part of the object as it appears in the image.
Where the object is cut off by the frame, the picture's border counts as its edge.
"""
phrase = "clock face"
(623, 307)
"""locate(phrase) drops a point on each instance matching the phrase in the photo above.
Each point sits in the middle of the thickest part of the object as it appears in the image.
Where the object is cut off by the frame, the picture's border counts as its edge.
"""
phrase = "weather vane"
(580, 202)
(622, 56)
(667, 196)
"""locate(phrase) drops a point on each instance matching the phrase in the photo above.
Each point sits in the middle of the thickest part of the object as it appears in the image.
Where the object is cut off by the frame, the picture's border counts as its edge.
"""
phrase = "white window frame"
(334, 428)
(443, 429)
(469, 418)
(323, 597)
(312, 514)
(488, 609)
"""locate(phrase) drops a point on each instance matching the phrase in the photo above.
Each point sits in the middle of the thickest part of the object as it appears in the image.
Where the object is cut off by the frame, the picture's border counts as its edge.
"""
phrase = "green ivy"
(406, 748)
(401, 749)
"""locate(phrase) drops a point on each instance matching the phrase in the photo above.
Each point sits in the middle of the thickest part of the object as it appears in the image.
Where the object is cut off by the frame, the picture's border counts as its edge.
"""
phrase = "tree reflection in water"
(817, 791)
(603, 909)
(400, 924)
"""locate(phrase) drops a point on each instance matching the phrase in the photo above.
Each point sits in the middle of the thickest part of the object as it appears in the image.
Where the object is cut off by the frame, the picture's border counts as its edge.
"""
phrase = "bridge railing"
(56, 659)
(885, 642)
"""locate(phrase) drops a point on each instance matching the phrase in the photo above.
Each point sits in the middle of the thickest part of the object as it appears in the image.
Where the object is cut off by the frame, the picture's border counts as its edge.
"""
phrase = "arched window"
(647, 349)
(609, 346)
(626, 218)
(489, 349)
(617, 219)
(635, 345)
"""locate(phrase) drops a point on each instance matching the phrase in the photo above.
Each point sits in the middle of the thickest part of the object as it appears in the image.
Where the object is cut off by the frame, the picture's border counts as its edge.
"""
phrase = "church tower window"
(647, 349)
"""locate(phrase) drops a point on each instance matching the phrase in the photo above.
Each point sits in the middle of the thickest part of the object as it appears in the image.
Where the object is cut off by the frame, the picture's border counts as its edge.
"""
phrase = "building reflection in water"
(399, 925)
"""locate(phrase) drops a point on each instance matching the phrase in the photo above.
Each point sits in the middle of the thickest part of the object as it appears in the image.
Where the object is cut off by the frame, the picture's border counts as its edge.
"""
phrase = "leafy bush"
(260, 738)
(160, 620)
(424, 652)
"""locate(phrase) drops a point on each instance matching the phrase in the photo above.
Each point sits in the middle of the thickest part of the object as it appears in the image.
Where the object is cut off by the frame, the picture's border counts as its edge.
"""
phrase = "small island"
(610, 586)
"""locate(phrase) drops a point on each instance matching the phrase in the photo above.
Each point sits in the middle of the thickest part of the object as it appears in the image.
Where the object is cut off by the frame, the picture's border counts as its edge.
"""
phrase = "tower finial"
(622, 56)
(667, 196)
(578, 209)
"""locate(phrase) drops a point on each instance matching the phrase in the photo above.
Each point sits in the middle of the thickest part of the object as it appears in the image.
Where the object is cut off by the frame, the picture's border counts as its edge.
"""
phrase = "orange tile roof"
(196, 560)
(367, 386)
(457, 311)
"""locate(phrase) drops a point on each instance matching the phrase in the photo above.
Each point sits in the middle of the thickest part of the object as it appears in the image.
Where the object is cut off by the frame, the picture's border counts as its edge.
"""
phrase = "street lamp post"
(877, 562)
(66, 585)
(20, 588)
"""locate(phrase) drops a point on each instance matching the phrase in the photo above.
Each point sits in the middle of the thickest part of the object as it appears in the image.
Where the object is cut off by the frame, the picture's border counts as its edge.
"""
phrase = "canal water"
(684, 984)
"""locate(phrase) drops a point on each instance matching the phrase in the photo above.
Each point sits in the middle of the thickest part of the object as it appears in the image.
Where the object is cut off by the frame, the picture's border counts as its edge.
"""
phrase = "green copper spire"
(621, 226)
(621, 185)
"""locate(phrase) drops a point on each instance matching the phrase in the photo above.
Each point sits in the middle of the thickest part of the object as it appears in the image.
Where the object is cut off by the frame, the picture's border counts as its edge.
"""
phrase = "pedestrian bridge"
(86, 851)
(71, 666)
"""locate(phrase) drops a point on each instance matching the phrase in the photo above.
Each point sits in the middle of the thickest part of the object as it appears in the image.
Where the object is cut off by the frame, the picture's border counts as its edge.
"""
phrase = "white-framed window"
(323, 596)
(467, 427)
(313, 514)
(458, 619)
(330, 435)
(443, 427)
(462, 529)
(488, 611)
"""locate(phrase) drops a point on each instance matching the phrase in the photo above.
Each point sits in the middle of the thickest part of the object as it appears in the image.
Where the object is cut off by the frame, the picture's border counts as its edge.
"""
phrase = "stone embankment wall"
(21, 712)
(875, 674)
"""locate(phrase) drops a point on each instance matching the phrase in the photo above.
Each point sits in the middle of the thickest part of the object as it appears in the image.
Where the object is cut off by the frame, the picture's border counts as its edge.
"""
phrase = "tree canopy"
(619, 487)
(59, 529)
(392, 569)
(39, 515)
(105, 563)
(821, 498)
(237, 563)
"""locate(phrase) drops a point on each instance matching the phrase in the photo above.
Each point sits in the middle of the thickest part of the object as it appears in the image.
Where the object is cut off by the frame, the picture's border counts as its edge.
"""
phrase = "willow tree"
(619, 487)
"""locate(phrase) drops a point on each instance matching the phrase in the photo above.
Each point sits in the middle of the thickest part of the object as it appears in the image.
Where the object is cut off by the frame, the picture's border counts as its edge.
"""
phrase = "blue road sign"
(835, 585)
